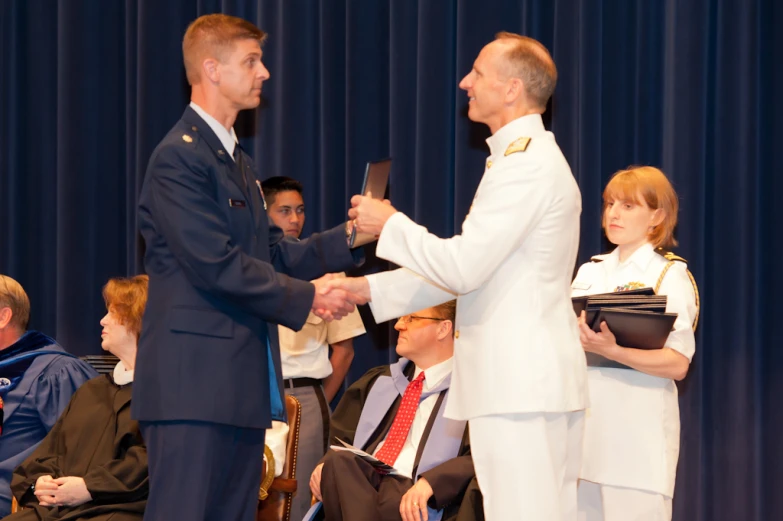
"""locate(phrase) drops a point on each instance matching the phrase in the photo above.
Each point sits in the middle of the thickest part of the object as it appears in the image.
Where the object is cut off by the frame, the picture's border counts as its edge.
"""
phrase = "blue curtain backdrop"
(89, 87)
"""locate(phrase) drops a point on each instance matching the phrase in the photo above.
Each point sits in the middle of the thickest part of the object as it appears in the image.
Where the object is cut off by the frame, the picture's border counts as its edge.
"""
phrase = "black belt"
(293, 383)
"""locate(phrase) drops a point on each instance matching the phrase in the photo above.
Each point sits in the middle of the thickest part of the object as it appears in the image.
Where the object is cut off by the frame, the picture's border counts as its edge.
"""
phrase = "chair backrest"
(104, 364)
(277, 505)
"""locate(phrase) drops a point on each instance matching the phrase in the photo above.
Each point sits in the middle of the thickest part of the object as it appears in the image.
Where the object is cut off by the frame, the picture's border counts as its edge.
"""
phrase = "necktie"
(240, 164)
(402, 422)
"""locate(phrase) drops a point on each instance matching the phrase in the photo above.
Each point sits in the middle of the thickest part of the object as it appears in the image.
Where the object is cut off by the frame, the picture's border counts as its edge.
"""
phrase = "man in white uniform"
(309, 373)
(519, 370)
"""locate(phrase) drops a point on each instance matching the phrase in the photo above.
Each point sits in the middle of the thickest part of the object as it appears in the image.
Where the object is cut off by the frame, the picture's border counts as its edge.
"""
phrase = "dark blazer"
(221, 279)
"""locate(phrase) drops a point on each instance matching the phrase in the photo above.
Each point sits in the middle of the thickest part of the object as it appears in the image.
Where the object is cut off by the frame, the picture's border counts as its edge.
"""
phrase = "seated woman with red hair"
(93, 463)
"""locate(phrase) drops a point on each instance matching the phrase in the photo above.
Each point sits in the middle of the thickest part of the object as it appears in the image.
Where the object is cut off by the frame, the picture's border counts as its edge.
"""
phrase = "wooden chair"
(276, 494)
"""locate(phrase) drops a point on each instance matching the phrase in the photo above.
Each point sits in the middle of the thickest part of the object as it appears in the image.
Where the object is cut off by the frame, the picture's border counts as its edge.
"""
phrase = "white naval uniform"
(632, 428)
(518, 362)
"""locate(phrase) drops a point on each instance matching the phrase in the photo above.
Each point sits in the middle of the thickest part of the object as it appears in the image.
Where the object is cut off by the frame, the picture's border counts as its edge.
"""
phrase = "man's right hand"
(315, 482)
(358, 286)
(331, 302)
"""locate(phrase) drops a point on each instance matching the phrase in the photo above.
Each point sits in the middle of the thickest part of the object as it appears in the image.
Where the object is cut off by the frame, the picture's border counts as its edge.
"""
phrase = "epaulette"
(672, 258)
(669, 256)
(520, 145)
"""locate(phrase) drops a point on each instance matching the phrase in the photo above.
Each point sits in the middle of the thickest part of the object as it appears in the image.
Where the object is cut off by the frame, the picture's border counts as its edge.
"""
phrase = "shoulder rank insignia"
(186, 138)
(520, 145)
(669, 256)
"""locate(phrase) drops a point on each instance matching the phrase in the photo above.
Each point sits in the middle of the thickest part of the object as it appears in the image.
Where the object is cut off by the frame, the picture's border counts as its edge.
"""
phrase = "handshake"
(337, 295)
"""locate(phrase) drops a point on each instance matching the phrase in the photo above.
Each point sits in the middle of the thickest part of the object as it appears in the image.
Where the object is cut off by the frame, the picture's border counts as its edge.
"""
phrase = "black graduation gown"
(96, 439)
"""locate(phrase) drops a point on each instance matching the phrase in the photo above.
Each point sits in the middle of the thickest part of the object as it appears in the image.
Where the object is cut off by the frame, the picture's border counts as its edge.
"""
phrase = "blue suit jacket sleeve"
(197, 232)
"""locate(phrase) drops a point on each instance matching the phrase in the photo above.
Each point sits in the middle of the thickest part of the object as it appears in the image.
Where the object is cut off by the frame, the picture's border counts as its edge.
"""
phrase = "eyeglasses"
(407, 319)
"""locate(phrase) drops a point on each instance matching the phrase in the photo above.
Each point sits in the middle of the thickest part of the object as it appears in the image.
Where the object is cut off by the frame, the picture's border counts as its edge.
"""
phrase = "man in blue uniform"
(208, 378)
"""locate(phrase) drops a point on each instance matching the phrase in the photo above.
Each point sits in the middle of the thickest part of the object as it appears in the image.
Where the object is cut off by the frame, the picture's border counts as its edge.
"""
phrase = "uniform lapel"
(197, 124)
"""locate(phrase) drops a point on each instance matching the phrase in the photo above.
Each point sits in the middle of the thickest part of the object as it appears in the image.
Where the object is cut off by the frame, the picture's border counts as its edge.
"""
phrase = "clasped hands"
(67, 491)
(336, 296)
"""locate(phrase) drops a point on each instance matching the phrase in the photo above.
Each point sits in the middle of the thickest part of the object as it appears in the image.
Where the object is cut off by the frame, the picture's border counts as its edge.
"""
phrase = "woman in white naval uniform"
(632, 428)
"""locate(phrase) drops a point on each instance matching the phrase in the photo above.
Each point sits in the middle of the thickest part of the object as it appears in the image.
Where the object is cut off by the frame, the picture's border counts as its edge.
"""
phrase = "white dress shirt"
(227, 138)
(432, 378)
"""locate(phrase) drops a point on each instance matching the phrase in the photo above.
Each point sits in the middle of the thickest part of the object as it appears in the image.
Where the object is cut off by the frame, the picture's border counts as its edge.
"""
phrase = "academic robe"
(96, 439)
(448, 480)
(37, 380)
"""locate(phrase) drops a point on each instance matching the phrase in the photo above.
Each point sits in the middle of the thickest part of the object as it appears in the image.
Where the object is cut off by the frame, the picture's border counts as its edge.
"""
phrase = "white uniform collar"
(121, 375)
(640, 257)
(227, 138)
(526, 126)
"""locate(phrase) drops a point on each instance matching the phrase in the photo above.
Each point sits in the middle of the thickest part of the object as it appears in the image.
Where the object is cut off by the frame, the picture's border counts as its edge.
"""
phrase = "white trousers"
(527, 465)
(604, 503)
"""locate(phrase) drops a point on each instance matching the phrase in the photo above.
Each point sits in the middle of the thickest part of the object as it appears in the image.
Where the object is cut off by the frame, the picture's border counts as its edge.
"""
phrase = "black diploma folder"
(637, 319)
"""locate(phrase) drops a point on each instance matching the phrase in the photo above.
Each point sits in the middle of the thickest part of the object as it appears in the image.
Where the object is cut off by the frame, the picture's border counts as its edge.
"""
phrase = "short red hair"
(214, 36)
(127, 298)
(649, 185)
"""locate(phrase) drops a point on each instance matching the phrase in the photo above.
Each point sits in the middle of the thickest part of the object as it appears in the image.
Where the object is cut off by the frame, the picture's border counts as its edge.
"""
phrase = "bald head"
(528, 60)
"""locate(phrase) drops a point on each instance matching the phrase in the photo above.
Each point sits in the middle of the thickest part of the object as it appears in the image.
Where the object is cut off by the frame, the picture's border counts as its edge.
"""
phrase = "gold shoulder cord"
(693, 282)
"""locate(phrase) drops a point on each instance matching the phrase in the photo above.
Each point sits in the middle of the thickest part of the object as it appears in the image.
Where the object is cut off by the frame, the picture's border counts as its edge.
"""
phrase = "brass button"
(456, 334)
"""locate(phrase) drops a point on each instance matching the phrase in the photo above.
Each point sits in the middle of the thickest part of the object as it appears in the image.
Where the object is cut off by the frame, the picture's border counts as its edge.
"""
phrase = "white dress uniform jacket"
(517, 346)
(632, 428)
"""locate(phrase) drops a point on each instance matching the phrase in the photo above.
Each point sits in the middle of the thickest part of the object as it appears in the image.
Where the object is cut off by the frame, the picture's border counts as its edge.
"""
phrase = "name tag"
(580, 285)
(237, 203)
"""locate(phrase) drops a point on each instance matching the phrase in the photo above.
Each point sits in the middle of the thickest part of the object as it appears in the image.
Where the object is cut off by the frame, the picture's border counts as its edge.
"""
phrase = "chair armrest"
(283, 485)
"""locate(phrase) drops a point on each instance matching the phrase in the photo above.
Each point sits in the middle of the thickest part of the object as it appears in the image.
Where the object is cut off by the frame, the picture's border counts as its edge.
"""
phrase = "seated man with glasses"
(395, 413)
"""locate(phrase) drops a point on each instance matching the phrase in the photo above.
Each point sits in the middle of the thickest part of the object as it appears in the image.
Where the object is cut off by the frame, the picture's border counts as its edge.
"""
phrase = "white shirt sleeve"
(681, 299)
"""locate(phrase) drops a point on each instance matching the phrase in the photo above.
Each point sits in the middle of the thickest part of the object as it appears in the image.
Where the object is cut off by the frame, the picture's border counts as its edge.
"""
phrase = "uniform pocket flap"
(201, 322)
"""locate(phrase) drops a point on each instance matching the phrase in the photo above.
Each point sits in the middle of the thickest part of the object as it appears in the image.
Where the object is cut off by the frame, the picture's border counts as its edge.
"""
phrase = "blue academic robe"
(39, 395)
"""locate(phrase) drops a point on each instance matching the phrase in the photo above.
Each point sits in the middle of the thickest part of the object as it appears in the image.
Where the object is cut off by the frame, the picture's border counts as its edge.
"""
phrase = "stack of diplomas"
(637, 318)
